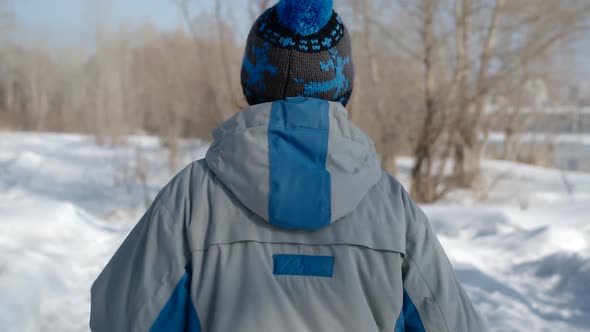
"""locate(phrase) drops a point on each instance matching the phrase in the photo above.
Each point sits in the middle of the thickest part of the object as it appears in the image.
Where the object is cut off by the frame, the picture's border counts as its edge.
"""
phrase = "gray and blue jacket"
(288, 224)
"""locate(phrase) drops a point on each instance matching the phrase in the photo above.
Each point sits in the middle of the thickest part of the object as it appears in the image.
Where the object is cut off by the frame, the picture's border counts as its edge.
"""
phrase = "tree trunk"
(423, 188)
(467, 167)
(469, 150)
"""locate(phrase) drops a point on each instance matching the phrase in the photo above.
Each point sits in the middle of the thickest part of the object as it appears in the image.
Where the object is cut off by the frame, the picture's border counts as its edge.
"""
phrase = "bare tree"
(457, 84)
(467, 154)
(542, 27)
(224, 94)
(423, 186)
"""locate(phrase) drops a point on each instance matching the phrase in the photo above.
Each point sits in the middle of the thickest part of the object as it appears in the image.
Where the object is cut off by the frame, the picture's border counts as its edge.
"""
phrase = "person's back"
(289, 223)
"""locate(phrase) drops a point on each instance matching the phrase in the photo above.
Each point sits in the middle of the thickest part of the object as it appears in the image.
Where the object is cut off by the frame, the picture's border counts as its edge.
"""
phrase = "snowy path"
(66, 204)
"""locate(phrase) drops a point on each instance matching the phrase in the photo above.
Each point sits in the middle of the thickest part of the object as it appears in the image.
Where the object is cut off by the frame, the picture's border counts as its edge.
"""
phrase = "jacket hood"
(297, 163)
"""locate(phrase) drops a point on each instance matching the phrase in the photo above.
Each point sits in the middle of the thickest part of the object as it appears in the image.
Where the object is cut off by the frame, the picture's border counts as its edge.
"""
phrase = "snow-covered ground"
(522, 250)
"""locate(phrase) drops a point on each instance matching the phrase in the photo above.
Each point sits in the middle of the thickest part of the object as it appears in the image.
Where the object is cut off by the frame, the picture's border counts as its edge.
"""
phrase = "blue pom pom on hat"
(305, 17)
(298, 48)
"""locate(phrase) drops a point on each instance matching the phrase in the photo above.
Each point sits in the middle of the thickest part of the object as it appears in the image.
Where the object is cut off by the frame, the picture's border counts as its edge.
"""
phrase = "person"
(289, 223)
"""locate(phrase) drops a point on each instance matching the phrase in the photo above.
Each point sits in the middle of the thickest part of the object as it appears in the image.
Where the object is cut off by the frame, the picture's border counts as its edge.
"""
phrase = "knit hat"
(298, 48)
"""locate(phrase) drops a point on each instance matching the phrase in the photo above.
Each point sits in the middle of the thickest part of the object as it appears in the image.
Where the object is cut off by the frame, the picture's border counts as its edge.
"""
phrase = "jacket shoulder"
(178, 194)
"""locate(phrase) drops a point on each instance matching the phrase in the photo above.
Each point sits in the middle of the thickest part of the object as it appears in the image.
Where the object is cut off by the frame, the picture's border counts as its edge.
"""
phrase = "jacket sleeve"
(145, 286)
(433, 299)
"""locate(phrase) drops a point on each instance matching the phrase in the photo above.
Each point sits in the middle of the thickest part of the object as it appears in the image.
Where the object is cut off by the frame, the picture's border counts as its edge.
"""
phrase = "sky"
(68, 21)
(69, 15)
(73, 21)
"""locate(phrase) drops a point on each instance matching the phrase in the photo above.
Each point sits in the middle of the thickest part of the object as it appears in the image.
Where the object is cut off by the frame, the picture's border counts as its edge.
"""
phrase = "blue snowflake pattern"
(340, 82)
(256, 71)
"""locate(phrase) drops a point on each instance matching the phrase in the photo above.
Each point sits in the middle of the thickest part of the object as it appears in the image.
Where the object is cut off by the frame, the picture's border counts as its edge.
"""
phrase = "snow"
(524, 253)
(522, 250)
(66, 204)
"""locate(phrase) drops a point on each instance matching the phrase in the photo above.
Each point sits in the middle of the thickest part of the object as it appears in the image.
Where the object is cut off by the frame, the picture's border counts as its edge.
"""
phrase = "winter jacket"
(288, 224)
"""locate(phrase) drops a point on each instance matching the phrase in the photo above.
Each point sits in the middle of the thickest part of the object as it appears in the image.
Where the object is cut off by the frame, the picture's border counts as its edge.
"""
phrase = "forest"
(434, 78)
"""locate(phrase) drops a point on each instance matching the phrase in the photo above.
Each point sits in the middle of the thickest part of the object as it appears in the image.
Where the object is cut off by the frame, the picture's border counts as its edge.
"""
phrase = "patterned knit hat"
(298, 48)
